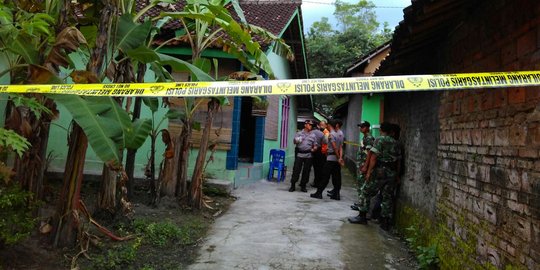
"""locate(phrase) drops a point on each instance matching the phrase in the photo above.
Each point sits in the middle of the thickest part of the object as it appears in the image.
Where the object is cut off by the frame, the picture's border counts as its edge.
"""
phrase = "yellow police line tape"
(292, 87)
(352, 143)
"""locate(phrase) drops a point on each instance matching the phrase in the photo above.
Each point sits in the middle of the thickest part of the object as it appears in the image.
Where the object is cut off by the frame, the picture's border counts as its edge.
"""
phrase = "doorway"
(246, 148)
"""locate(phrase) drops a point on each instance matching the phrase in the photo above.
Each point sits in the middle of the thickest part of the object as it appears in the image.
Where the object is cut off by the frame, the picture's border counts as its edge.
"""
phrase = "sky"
(314, 10)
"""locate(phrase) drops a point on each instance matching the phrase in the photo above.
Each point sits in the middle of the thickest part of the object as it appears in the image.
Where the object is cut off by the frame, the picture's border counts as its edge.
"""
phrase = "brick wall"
(417, 115)
(489, 140)
(487, 172)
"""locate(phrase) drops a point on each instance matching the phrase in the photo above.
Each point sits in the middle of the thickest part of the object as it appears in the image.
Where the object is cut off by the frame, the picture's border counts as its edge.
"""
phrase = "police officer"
(381, 175)
(319, 156)
(334, 161)
(305, 146)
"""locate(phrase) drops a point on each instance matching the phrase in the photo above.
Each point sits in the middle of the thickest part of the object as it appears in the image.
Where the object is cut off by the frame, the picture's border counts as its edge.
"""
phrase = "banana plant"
(208, 23)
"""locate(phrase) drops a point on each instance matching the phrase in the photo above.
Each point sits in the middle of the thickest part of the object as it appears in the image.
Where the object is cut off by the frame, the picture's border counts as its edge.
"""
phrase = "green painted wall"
(371, 112)
(58, 145)
(275, 144)
(281, 69)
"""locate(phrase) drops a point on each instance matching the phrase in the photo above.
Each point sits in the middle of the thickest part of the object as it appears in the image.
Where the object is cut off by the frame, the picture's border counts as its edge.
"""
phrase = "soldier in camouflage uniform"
(381, 175)
(361, 156)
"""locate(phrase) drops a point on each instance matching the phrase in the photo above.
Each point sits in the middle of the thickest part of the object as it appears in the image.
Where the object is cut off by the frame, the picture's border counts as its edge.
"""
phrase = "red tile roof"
(269, 15)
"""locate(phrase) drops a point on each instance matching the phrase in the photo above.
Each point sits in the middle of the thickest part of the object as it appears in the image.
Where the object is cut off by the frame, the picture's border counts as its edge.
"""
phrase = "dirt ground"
(166, 237)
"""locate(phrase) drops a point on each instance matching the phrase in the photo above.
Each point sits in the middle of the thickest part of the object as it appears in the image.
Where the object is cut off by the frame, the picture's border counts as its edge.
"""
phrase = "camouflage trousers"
(360, 179)
(371, 188)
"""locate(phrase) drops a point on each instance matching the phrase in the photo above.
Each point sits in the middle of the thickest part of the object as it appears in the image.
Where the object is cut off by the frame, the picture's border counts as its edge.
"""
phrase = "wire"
(331, 4)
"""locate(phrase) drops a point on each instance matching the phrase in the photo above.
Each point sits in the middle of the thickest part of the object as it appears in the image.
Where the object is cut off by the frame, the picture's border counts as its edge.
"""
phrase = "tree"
(207, 23)
(331, 50)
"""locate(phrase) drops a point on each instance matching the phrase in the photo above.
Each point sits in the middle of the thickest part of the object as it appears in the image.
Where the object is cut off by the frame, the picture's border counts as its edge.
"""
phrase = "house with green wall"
(362, 107)
(245, 139)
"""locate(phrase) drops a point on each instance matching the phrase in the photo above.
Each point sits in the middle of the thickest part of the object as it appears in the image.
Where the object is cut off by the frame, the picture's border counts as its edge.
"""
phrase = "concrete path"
(271, 228)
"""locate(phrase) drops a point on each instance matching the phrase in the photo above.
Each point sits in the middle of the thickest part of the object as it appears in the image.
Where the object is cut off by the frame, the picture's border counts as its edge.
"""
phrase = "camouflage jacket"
(388, 153)
(367, 143)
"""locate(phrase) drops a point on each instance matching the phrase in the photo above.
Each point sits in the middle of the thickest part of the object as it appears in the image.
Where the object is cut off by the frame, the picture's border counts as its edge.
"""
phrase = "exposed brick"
(511, 250)
(457, 137)
(533, 135)
(488, 160)
(514, 206)
(501, 137)
(482, 150)
(514, 179)
(500, 98)
(476, 136)
(526, 183)
(516, 95)
(528, 152)
(517, 135)
(466, 137)
(486, 102)
(508, 53)
(526, 43)
(488, 136)
(532, 93)
(523, 164)
(523, 227)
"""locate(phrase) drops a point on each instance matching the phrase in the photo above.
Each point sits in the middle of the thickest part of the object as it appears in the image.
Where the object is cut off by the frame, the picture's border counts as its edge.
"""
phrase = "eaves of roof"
(425, 23)
(366, 59)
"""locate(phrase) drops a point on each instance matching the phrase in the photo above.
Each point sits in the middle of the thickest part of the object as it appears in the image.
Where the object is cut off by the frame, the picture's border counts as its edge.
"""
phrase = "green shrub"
(164, 233)
(118, 257)
(16, 219)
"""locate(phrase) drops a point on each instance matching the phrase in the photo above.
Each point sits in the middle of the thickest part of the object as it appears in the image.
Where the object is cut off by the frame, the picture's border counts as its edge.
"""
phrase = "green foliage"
(213, 191)
(166, 233)
(22, 32)
(119, 256)
(107, 126)
(35, 106)
(131, 35)
(16, 219)
(10, 140)
(426, 255)
(331, 51)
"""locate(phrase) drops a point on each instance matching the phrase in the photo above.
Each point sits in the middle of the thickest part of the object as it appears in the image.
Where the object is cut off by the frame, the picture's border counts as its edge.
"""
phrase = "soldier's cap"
(364, 124)
(309, 122)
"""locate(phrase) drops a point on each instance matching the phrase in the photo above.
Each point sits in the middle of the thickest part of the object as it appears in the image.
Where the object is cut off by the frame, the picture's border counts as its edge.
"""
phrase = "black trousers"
(331, 169)
(318, 167)
(301, 165)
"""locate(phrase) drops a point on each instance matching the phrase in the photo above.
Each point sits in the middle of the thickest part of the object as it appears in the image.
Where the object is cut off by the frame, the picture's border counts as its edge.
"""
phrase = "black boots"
(360, 219)
(335, 196)
(316, 195)
(302, 188)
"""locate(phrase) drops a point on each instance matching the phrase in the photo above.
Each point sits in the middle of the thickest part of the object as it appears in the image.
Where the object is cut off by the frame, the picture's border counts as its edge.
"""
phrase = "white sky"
(314, 10)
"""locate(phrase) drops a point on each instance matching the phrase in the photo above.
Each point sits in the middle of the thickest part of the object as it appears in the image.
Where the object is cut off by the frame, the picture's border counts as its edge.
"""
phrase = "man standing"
(332, 167)
(319, 156)
(305, 145)
(361, 156)
(380, 175)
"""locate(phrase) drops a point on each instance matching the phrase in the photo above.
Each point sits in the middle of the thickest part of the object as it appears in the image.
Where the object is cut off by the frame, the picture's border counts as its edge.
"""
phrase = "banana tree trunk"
(106, 204)
(30, 168)
(66, 218)
(132, 153)
(196, 195)
(184, 145)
